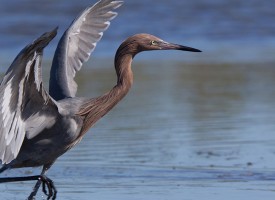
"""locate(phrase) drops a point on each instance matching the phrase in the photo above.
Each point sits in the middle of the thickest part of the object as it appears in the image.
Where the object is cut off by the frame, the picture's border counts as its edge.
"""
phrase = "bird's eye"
(153, 42)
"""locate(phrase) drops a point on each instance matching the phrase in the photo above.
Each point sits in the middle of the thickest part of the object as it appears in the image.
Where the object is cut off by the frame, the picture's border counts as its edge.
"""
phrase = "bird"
(38, 126)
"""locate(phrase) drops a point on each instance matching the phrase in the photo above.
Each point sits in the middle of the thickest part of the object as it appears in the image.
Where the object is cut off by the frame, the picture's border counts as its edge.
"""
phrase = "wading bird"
(36, 127)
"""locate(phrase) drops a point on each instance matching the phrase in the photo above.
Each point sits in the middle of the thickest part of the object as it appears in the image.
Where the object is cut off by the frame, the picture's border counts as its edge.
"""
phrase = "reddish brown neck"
(96, 108)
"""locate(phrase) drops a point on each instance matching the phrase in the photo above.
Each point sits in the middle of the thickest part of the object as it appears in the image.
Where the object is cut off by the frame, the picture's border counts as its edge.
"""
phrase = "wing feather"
(21, 84)
(77, 44)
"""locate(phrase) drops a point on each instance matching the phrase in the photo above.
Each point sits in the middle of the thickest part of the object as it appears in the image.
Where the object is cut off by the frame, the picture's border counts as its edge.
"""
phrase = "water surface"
(184, 132)
(232, 31)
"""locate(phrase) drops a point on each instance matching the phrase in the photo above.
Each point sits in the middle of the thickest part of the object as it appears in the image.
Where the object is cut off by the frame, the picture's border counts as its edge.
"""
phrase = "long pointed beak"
(170, 46)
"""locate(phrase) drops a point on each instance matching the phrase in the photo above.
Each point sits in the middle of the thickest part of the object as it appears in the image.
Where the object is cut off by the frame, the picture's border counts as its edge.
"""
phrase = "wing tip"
(51, 34)
(42, 41)
(104, 3)
(119, 3)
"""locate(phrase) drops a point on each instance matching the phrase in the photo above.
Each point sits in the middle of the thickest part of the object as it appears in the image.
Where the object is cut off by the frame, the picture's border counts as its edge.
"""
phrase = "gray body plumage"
(46, 143)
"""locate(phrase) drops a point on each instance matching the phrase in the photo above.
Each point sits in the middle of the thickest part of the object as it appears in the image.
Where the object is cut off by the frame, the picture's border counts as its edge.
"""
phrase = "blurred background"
(230, 31)
(194, 125)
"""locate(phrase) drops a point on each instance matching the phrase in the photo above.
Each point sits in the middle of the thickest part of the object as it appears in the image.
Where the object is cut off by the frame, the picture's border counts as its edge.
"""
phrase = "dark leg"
(35, 189)
(42, 178)
(16, 179)
(46, 182)
(3, 168)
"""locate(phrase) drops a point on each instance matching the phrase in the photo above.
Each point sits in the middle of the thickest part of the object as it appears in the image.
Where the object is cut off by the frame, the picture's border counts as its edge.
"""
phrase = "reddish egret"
(36, 126)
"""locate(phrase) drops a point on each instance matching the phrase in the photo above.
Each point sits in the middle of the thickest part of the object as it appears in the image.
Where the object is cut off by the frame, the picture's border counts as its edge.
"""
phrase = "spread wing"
(76, 45)
(21, 97)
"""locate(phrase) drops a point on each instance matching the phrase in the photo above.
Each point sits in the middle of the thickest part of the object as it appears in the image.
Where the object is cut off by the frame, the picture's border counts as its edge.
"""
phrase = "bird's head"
(146, 42)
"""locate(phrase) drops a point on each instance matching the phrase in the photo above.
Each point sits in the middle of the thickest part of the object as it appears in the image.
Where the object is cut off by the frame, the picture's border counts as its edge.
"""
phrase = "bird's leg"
(42, 178)
(51, 188)
(46, 182)
(3, 168)
(16, 179)
(35, 189)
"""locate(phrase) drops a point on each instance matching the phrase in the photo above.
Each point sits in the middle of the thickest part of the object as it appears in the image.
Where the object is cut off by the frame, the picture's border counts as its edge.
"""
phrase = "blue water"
(227, 31)
(194, 126)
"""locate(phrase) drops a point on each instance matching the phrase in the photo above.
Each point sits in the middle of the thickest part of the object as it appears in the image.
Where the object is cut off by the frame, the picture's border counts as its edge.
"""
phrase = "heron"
(37, 126)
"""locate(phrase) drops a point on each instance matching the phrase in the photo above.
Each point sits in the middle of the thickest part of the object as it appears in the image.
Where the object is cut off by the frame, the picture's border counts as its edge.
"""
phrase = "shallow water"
(194, 126)
(184, 131)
